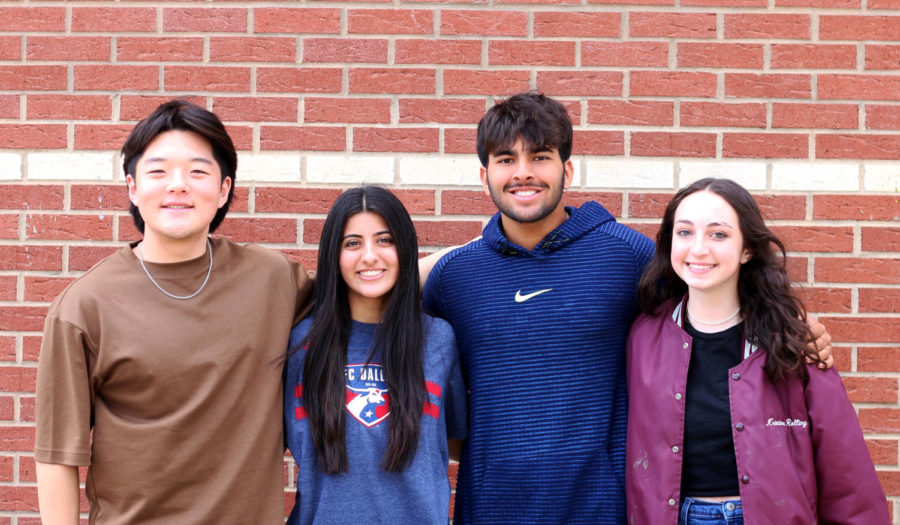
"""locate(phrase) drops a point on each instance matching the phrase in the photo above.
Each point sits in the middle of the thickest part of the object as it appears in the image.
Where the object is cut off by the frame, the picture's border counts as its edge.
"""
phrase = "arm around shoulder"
(822, 343)
(849, 491)
(427, 263)
(57, 493)
(304, 281)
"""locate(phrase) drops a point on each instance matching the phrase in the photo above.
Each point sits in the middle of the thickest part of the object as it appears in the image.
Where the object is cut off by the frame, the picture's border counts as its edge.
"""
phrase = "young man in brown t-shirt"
(159, 367)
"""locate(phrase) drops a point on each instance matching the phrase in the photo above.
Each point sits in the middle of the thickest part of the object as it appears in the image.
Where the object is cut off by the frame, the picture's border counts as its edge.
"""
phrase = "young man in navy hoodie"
(541, 305)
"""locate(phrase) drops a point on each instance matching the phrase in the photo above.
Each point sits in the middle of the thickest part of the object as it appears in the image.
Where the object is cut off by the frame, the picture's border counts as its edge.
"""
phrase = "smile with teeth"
(700, 267)
(524, 192)
(370, 273)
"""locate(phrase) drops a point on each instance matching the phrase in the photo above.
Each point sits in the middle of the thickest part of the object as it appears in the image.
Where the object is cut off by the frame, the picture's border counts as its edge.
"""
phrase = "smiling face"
(178, 188)
(369, 265)
(526, 185)
(707, 245)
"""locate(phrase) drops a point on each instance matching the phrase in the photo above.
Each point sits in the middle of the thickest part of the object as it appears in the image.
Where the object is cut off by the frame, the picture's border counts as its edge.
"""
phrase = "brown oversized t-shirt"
(183, 396)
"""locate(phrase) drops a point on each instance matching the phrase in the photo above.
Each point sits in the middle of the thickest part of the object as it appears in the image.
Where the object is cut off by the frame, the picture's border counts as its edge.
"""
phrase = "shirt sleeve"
(64, 396)
(431, 302)
(292, 379)
(455, 406)
(848, 488)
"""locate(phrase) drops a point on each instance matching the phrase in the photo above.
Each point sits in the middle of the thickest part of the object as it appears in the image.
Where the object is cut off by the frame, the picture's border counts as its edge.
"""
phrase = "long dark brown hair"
(774, 318)
(400, 337)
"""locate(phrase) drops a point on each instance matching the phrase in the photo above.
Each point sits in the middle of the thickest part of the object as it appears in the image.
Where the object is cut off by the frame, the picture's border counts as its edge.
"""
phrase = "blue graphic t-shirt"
(368, 493)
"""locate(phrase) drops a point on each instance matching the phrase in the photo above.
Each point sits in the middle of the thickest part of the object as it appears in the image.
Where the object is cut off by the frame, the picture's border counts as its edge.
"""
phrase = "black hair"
(183, 116)
(400, 337)
(774, 318)
(538, 120)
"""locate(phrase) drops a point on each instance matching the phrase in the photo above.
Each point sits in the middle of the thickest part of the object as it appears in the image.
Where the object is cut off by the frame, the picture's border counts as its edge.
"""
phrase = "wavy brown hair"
(774, 318)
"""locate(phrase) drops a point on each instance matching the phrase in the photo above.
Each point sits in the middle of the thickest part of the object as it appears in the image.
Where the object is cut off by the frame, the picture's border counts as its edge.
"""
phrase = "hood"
(581, 220)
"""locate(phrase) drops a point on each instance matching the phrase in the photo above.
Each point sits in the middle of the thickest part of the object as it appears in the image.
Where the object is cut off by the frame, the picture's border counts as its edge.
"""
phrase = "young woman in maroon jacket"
(727, 422)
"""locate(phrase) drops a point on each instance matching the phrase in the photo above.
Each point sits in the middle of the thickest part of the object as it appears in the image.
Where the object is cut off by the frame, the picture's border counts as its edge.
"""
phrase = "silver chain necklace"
(723, 321)
(173, 296)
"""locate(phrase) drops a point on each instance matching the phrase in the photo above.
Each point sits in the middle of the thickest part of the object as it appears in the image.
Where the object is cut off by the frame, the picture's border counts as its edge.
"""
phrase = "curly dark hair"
(774, 318)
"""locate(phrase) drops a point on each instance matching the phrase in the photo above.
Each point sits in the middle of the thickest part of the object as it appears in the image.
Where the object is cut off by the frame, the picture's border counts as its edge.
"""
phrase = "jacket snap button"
(685, 345)
(736, 376)
(671, 502)
(745, 479)
(739, 426)
(675, 449)
(677, 396)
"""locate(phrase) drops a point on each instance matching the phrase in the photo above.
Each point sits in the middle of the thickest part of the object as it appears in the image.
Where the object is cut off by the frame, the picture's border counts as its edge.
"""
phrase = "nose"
(178, 182)
(523, 171)
(698, 247)
(368, 255)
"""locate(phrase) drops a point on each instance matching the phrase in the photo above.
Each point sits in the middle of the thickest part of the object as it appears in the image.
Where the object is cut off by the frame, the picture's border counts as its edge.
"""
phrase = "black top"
(709, 467)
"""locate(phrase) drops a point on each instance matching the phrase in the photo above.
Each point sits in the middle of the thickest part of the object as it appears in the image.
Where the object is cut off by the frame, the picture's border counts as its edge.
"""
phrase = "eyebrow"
(202, 160)
(539, 149)
(714, 223)
(382, 232)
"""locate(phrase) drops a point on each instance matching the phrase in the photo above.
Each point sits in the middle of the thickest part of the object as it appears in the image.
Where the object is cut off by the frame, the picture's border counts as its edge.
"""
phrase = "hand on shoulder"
(822, 344)
(427, 263)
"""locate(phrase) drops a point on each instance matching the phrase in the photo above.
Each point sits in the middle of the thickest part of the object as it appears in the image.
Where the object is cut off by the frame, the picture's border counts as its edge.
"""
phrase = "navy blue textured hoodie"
(541, 336)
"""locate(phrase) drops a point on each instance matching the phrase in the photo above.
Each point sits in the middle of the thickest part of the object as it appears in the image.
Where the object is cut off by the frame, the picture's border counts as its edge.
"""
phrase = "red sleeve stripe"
(298, 391)
(300, 413)
(433, 388)
(430, 409)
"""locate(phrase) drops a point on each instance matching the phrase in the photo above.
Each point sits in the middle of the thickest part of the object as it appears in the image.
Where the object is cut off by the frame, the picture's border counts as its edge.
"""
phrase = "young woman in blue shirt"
(373, 388)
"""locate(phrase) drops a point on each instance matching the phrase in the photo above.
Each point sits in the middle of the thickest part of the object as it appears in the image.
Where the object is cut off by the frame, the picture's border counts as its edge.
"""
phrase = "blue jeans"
(699, 512)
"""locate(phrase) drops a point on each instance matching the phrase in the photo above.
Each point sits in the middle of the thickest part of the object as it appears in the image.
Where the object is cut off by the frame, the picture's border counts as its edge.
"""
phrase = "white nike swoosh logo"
(522, 298)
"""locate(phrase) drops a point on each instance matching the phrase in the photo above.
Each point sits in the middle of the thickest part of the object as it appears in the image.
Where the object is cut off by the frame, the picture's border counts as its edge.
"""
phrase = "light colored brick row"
(350, 170)
(447, 170)
(462, 170)
(751, 175)
(268, 168)
(71, 166)
(816, 176)
(884, 176)
(10, 166)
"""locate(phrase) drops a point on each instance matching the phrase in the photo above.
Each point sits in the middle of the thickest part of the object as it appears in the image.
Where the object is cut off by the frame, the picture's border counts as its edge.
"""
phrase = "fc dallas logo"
(368, 399)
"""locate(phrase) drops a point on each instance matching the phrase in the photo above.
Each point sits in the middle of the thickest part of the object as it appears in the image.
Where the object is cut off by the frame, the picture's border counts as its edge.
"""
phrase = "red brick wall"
(797, 99)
